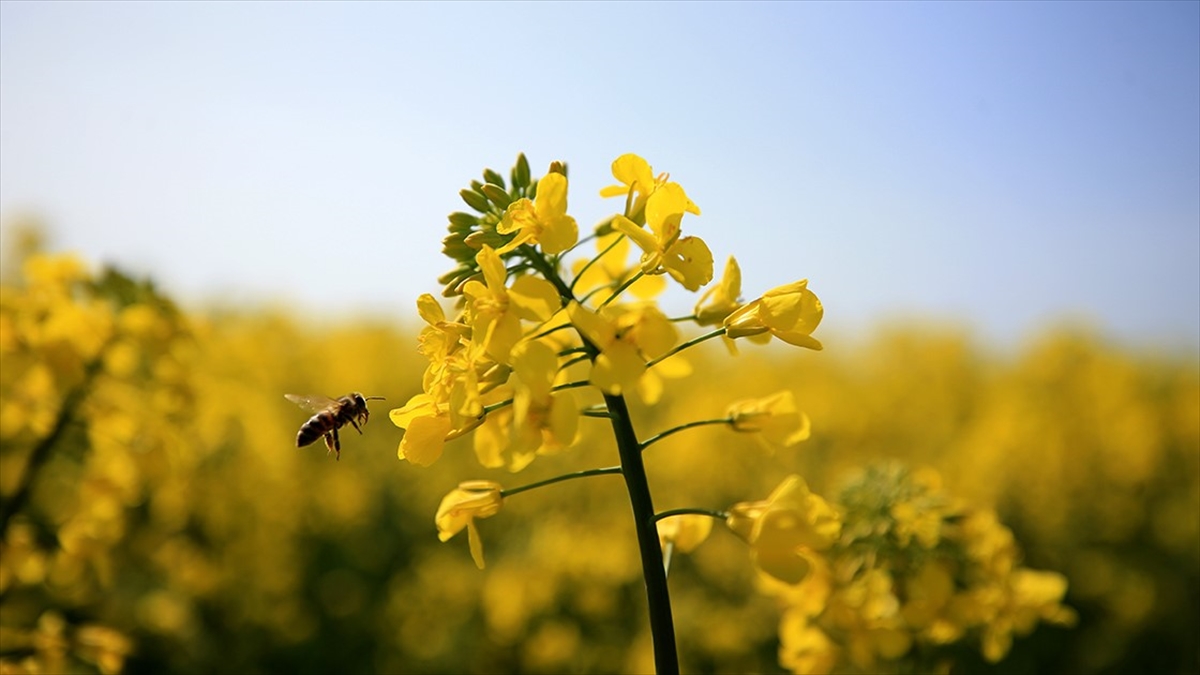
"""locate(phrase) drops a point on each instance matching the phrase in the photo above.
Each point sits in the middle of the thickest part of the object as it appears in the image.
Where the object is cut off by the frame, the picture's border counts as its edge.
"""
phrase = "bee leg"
(355, 423)
(337, 447)
(329, 440)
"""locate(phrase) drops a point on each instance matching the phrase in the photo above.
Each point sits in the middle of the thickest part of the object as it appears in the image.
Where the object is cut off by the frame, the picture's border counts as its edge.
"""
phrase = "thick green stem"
(662, 625)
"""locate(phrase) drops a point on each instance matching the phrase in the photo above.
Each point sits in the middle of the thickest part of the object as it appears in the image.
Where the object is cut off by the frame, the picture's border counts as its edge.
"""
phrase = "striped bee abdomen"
(317, 426)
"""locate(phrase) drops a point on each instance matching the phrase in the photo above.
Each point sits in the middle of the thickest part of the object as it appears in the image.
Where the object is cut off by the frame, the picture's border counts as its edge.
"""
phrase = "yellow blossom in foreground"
(543, 221)
(722, 298)
(687, 259)
(496, 311)
(638, 182)
(685, 531)
(459, 509)
(786, 529)
(626, 338)
(612, 270)
(427, 426)
(790, 313)
(775, 418)
(543, 420)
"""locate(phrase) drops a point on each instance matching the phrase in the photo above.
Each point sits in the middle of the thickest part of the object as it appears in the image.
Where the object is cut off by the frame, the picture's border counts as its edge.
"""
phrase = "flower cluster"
(503, 366)
(532, 349)
(91, 361)
(898, 571)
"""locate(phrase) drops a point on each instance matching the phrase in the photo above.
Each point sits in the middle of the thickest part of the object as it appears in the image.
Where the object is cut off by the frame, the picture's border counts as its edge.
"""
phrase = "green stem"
(662, 625)
(593, 261)
(539, 262)
(577, 244)
(674, 430)
(550, 331)
(621, 289)
(716, 515)
(598, 414)
(690, 343)
(496, 406)
(595, 291)
(558, 479)
(570, 385)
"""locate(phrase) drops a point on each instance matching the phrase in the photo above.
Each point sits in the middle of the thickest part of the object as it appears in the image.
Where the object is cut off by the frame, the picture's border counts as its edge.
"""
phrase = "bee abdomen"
(317, 426)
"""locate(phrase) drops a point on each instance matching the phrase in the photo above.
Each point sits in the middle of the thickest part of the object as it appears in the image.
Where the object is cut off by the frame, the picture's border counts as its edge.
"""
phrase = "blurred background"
(998, 205)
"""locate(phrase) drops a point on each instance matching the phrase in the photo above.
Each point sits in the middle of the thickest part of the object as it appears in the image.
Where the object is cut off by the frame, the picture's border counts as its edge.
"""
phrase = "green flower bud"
(496, 195)
(474, 200)
(520, 172)
(494, 178)
(462, 222)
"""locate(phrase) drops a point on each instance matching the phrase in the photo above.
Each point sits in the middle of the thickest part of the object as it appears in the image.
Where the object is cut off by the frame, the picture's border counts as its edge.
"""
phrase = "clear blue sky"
(1000, 165)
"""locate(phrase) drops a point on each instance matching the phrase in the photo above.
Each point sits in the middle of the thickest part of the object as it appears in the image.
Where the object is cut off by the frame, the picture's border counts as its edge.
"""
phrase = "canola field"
(157, 516)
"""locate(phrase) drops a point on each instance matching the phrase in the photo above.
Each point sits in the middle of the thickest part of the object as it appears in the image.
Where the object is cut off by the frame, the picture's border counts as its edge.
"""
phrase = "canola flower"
(530, 333)
(527, 335)
(172, 471)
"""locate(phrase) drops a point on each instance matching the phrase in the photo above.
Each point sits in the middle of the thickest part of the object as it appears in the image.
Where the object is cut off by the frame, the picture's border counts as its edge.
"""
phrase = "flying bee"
(330, 416)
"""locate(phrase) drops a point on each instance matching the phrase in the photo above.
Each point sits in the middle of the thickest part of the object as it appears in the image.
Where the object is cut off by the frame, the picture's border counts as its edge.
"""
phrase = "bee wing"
(311, 402)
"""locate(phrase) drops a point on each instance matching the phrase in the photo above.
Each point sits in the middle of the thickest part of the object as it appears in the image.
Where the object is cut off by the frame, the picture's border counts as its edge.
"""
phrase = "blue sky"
(1003, 166)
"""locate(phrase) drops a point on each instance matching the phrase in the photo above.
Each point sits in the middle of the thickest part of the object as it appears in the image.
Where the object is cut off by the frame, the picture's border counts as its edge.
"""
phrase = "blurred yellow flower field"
(171, 526)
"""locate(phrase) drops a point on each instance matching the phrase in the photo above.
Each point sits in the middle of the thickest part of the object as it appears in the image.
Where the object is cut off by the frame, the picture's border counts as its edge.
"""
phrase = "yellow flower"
(790, 313)
(785, 530)
(625, 342)
(637, 178)
(775, 418)
(544, 420)
(496, 311)
(1028, 596)
(686, 259)
(543, 221)
(722, 299)
(803, 647)
(459, 509)
(612, 270)
(427, 426)
(685, 531)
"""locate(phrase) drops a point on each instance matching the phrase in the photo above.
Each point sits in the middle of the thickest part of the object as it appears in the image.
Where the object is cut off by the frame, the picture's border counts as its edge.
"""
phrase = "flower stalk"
(662, 624)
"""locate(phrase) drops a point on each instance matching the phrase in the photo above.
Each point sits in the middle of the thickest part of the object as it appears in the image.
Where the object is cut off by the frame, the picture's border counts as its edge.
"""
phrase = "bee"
(330, 416)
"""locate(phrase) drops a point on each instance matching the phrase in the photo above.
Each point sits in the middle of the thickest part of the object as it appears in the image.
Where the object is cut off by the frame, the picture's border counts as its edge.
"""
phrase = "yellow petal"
(430, 310)
(558, 234)
(689, 262)
(687, 531)
(665, 209)
(424, 439)
(502, 334)
(598, 330)
(644, 240)
(533, 298)
(420, 405)
(519, 215)
(476, 544)
(536, 364)
(618, 368)
(630, 168)
(492, 267)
